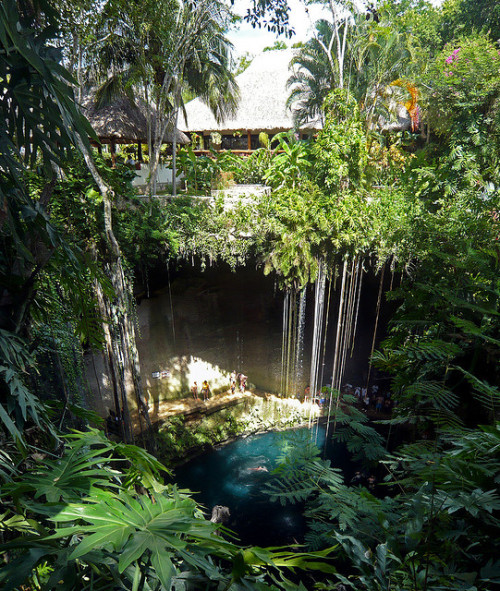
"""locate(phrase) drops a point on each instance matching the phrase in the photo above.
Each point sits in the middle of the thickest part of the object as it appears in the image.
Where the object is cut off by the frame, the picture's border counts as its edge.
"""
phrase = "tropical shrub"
(466, 86)
(199, 171)
(289, 166)
(341, 150)
(76, 520)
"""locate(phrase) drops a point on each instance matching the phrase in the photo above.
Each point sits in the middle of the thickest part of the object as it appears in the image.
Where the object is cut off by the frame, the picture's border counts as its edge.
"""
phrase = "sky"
(249, 40)
(253, 41)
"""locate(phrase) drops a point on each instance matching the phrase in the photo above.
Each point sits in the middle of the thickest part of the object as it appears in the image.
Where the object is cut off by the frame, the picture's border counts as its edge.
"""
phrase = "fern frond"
(484, 393)
(434, 393)
(445, 418)
(291, 490)
(435, 349)
(472, 329)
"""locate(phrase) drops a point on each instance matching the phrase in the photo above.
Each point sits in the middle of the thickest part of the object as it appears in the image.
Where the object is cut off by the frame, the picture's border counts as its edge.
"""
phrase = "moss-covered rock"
(180, 437)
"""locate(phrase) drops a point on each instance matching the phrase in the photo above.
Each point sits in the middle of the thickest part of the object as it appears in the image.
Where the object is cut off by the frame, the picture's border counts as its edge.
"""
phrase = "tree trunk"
(174, 154)
(119, 330)
(113, 366)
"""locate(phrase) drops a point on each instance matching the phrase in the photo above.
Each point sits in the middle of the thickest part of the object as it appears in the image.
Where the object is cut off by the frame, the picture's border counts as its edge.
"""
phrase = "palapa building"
(122, 122)
(262, 106)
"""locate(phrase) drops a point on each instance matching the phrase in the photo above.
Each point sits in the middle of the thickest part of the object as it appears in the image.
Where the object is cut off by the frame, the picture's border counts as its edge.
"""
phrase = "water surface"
(230, 476)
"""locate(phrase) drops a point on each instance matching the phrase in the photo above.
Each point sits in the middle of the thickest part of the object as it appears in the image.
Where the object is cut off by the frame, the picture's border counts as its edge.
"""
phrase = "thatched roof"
(262, 106)
(122, 122)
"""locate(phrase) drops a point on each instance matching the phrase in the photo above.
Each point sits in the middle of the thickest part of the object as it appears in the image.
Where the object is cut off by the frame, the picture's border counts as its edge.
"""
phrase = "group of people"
(236, 379)
(319, 398)
(367, 398)
(362, 479)
(205, 391)
(240, 379)
(370, 398)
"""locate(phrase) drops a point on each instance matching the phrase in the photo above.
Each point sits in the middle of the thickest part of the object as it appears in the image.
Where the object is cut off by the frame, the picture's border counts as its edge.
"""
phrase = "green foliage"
(353, 429)
(466, 84)
(278, 45)
(211, 232)
(92, 526)
(198, 170)
(289, 166)
(295, 232)
(39, 124)
(420, 21)
(340, 149)
(313, 77)
(446, 329)
(464, 17)
(242, 63)
(434, 529)
(253, 168)
(147, 233)
(22, 406)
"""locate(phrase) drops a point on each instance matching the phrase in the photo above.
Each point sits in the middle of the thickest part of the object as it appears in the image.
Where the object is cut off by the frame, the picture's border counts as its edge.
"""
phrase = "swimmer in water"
(258, 469)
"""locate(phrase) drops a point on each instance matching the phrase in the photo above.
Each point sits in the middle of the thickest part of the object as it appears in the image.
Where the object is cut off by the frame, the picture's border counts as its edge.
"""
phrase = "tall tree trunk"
(111, 363)
(120, 342)
(174, 144)
(154, 159)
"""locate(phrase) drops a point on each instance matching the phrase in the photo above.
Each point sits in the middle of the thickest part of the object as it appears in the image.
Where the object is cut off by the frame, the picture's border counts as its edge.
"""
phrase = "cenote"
(235, 475)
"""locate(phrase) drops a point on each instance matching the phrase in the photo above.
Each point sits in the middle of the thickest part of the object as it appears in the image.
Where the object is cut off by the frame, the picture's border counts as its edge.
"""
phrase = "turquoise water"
(228, 476)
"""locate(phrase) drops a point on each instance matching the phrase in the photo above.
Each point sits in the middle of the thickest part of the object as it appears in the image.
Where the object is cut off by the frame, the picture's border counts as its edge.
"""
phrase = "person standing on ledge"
(194, 391)
(205, 390)
(243, 382)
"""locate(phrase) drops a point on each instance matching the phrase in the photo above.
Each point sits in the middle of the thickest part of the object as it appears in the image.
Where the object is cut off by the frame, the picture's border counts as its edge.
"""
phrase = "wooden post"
(249, 138)
(113, 154)
(139, 152)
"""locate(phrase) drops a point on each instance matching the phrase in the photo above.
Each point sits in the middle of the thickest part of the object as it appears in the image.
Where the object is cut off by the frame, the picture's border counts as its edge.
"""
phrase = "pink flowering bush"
(473, 66)
(465, 79)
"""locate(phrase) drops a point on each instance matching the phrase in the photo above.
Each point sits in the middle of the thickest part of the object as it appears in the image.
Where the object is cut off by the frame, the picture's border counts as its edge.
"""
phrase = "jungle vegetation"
(78, 511)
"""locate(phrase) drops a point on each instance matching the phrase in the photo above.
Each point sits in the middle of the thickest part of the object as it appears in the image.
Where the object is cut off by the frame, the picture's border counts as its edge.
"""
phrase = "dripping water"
(292, 342)
(347, 321)
(319, 306)
(336, 354)
(325, 332)
(360, 280)
(299, 342)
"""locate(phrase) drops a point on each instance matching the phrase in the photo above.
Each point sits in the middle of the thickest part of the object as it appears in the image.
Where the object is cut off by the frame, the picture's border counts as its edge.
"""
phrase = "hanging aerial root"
(337, 349)
(319, 306)
(379, 300)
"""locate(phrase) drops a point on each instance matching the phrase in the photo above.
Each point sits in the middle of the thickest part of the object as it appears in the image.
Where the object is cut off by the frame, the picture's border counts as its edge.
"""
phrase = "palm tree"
(160, 51)
(197, 55)
(314, 76)
(380, 55)
(359, 53)
(323, 62)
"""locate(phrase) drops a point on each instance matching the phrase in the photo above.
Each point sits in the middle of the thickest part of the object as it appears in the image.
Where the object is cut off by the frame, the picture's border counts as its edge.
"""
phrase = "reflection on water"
(235, 476)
